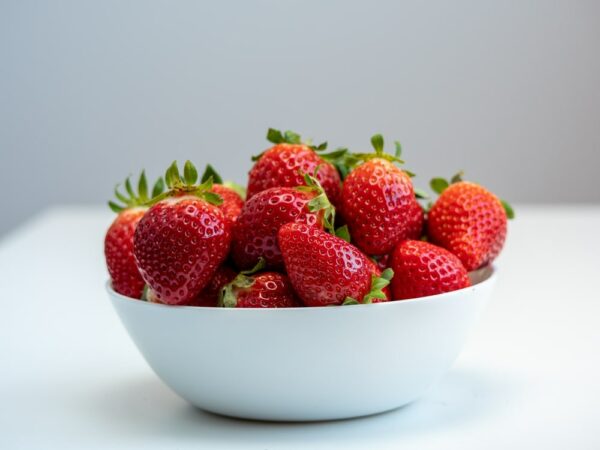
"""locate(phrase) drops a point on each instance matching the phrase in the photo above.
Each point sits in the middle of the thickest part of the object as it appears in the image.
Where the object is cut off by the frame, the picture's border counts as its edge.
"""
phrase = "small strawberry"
(118, 243)
(262, 290)
(232, 194)
(379, 203)
(326, 270)
(284, 164)
(468, 220)
(182, 239)
(210, 294)
(255, 232)
(422, 269)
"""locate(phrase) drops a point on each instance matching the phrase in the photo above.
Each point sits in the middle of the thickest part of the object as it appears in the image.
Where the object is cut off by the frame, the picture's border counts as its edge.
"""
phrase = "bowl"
(305, 364)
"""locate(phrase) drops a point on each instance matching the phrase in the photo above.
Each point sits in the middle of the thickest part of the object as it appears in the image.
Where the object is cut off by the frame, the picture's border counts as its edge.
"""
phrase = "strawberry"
(468, 220)
(263, 290)
(118, 242)
(284, 164)
(422, 269)
(182, 239)
(379, 203)
(210, 294)
(231, 194)
(381, 262)
(326, 270)
(255, 232)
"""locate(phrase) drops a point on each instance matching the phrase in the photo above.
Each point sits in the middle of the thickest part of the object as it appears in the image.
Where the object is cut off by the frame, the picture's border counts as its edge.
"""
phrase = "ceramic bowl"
(305, 364)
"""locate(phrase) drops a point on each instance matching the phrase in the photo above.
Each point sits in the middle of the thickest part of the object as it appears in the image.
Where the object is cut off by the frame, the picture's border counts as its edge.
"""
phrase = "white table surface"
(529, 376)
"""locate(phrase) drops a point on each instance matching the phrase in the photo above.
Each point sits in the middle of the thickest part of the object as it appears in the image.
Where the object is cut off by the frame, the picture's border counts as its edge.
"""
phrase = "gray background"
(91, 91)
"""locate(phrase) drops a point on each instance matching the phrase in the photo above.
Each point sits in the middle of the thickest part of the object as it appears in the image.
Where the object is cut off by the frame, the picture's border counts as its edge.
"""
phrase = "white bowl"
(304, 364)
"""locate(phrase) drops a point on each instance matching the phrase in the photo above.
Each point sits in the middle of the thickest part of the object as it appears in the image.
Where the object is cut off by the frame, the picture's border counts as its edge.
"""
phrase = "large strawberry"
(468, 220)
(231, 194)
(284, 164)
(118, 243)
(258, 290)
(422, 269)
(182, 239)
(255, 232)
(326, 270)
(379, 203)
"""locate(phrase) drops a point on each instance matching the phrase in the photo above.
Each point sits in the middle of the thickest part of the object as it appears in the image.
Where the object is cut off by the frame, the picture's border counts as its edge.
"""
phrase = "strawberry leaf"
(510, 212)
(212, 198)
(129, 189)
(158, 187)
(398, 152)
(420, 193)
(143, 187)
(211, 172)
(343, 233)
(190, 174)
(350, 301)
(377, 142)
(291, 138)
(116, 208)
(439, 185)
(275, 136)
(457, 177)
(377, 284)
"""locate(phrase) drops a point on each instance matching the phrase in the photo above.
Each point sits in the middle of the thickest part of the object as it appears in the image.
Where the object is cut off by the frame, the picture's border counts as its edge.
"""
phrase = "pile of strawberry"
(312, 229)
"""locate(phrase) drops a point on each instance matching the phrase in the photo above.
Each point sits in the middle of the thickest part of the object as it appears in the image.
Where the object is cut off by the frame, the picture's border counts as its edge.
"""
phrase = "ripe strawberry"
(262, 290)
(284, 164)
(469, 221)
(422, 269)
(118, 242)
(255, 232)
(232, 195)
(182, 239)
(210, 294)
(379, 203)
(326, 270)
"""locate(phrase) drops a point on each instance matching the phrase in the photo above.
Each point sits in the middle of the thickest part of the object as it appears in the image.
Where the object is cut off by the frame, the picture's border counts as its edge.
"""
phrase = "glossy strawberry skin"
(255, 232)
(232, 202)
(178, 246)
(422, 269)
(469, 221)
(379, 206)
(210, 294)
(118, 250)
(283, 166)
(270, 290)
(323, 269)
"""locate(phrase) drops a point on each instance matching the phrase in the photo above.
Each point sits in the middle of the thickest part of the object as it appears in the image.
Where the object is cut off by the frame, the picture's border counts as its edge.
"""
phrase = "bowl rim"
(489, 273)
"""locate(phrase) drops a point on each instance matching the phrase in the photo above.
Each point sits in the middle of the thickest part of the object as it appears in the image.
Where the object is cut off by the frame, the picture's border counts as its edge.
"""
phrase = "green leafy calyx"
(320, 202)
(187, 185)
(227, 296)
(132, 199)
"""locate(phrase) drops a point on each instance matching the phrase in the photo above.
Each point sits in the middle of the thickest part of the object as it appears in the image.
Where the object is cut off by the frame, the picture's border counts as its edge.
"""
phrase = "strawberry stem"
(132, 200)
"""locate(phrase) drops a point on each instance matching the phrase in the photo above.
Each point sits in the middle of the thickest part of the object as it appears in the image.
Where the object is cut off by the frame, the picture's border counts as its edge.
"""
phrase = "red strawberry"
(325, 269)
(263, 290)
(231, 194)
(182, 239)
(469, 221)
(422, 269)
(255, 232)
(382, 262)
(232, 201)
(118, 243)
(379, 204)
(284, 164)
(210, 294)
